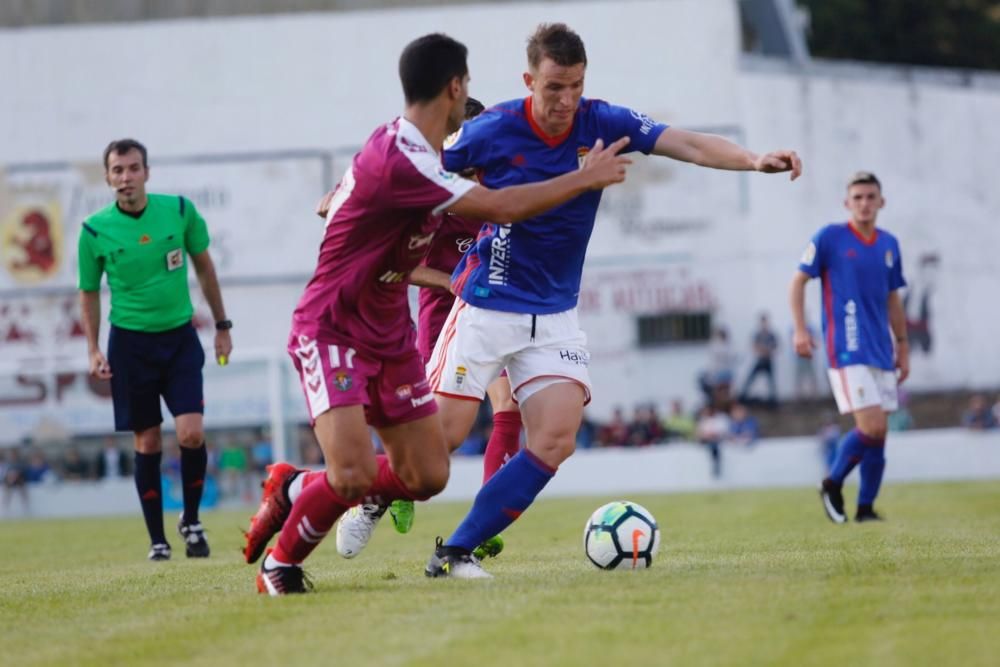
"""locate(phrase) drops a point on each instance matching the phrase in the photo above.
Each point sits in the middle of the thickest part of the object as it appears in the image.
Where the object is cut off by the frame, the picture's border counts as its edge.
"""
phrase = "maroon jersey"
(453, 238)
(382, 219)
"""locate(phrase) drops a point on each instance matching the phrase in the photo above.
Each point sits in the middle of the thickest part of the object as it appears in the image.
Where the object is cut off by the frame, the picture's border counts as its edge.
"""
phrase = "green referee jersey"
(145, 258)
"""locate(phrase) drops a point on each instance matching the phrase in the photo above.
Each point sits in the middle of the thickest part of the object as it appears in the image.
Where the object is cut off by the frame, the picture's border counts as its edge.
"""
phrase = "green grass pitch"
(742, 578)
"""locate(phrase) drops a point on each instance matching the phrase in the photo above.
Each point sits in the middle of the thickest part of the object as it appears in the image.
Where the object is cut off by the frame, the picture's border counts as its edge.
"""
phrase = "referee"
(142, 242)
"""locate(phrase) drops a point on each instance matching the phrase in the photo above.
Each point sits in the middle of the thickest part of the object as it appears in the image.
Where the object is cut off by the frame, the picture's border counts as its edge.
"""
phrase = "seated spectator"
(717, 380)
(743, 427)
(679, 424)
(901, 419)
(711, 431)
(38, 470)
(615, 432)
(261, 452)
(111, 461)
(978, 416)
(644, 429)
(74, 468)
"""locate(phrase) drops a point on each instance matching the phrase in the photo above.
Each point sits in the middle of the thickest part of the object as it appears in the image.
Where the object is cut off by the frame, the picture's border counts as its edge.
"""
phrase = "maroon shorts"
(334, 375)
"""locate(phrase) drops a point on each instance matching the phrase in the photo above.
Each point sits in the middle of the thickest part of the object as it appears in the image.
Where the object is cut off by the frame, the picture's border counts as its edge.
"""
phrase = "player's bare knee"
(428, 480)
(553, 450)
(190, 438)
(351, 482)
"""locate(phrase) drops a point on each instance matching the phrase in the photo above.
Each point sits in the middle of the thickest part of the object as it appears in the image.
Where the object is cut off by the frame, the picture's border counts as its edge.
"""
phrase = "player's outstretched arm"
(801, 338)
(897, 322)
(603, 167)
(424, 276)
(710, 150)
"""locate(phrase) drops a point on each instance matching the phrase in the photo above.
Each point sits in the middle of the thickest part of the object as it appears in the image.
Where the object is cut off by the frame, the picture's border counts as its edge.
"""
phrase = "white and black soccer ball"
(621, 535)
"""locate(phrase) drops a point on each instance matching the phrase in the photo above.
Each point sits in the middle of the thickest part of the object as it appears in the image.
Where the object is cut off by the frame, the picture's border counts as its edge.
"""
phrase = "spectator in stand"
(901, 419)
(679, 425)
(806, 384)
(996, 411)
(615, 432)
(261, 452)
(717, 380)
(743, 427)
(712, 430)
(586, 435)
(112, 461)
(234, 467)
(829, 435)
(38, 470)
(978, 416)
(14, 481)
(74, 468)
(644, 429)
(765, 344)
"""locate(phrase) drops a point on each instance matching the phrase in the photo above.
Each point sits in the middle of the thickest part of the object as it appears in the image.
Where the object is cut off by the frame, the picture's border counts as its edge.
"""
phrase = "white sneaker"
(356, 528)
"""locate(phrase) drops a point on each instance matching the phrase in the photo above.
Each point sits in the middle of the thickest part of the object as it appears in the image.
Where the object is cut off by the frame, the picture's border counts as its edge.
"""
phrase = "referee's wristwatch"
(223, 325)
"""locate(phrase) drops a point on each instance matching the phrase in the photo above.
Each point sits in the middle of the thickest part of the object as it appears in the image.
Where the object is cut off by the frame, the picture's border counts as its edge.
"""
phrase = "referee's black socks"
(194, 462)
(150, 489)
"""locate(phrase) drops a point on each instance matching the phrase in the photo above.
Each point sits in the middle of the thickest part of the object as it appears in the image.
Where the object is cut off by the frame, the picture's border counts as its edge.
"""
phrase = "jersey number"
(335, 357)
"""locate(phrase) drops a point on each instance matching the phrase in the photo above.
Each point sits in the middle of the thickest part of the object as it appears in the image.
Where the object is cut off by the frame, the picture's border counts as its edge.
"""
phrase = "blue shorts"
(145, 366)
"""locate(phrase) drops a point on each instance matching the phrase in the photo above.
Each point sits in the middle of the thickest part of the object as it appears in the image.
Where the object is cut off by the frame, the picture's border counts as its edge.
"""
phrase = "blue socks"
(849, 454)
(855, 448)
(502, 500)
(872, 467)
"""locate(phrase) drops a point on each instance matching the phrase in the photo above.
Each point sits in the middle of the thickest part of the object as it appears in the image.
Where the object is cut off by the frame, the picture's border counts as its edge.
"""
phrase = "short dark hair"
(123, 146)
(864, 178)
(473, 108)
(557, 42)
(428, 64)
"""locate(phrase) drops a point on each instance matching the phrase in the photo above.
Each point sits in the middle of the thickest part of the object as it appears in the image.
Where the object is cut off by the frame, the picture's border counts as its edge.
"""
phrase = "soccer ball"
(621, 536)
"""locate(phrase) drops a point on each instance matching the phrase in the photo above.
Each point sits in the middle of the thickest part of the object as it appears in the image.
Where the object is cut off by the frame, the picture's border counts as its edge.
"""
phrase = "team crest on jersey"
(342, 381)
(581, 155)
(460, 374)
(175, 259)
(888, 258)
(810, 254)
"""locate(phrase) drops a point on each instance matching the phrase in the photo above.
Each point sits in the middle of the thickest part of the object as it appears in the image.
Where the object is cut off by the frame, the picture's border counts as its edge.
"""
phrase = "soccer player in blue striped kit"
(864, 326)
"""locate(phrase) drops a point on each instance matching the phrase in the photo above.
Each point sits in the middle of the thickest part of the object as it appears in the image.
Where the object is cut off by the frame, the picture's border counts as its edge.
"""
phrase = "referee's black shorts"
(146, 366)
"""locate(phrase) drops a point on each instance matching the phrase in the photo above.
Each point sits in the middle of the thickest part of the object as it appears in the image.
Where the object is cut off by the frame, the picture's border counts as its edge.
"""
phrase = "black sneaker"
(282, 580)
(454, 562)
(867, 513)
(833, 500)
(193, 534)
(159, 551)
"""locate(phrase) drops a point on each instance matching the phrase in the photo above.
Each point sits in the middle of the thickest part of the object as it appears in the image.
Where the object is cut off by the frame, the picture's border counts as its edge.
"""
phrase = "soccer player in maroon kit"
(454, 237)
(352, 341)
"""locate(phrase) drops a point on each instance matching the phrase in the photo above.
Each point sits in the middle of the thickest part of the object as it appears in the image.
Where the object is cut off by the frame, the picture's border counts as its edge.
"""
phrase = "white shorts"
(859, 387)
(538, 351)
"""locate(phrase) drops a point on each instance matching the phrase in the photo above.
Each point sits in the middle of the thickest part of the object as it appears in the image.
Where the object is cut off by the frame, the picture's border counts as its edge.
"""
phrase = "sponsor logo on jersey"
(851, 325)
(464, 244)
(809, 255)
(647, 122)
(418, 241)
(342, 381)
(888, 258)
(420, 400)
(578, 357)
(499, 256)
(392, 277)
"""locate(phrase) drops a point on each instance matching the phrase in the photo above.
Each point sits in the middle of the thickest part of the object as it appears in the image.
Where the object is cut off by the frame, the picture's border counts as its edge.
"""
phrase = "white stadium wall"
(254, 117)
